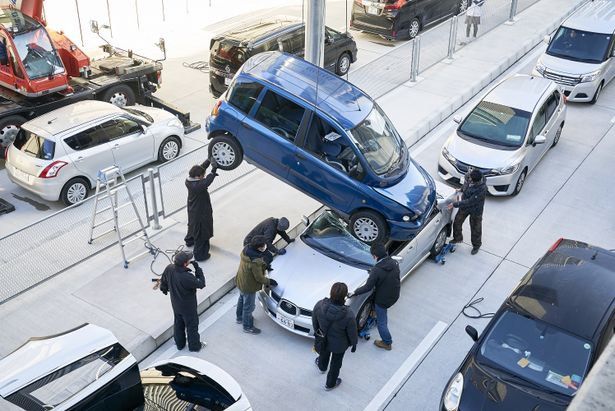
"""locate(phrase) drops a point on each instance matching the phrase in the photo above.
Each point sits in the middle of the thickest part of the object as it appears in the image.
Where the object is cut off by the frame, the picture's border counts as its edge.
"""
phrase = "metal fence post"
(416, 53)
(152, 188)
(513, 11)
(109, 17)
(452, 40)
(137, 14)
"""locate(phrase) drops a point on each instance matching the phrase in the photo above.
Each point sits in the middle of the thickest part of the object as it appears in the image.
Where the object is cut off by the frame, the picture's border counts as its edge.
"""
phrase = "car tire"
(9, 127)
(343, 64)
(120, 95)
(226, 151)
(558, 134)
(363, 313)
(75, 191)
(597, 94)
(462, 6)
(368, 226)
(520, 182)
(414, 28)
(169, 149)
(439, 244)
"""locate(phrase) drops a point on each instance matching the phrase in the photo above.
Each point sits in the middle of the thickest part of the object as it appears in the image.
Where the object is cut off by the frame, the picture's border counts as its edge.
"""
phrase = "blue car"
(325, 137)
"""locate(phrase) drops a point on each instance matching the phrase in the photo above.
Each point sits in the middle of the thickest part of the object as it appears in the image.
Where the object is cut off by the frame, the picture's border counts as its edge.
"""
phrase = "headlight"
(452, 396)
(448, 156)
(540, 67)
(406, 218)
(591, 76)
(506, 170)
(175, 123)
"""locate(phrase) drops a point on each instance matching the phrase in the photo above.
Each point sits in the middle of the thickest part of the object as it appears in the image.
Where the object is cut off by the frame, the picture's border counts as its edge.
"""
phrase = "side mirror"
(144, 128)
(94, 27)
(471, 331)
(305, 221)
(328, 39)
(540, 139)
(457, 119)
(547, 39)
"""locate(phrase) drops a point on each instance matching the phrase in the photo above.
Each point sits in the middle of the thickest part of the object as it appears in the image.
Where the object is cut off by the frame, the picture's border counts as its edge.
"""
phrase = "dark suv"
(231, 49)
(400, 19)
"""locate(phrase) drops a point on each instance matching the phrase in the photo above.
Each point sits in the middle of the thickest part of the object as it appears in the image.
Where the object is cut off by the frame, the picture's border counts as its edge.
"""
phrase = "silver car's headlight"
(448, 155)
(540, 67)
(506, 170)
(591, 76)
(175, 123)
(452, 396)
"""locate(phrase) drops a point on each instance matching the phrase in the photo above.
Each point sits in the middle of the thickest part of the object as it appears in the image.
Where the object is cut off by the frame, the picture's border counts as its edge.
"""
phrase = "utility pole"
(315, 32)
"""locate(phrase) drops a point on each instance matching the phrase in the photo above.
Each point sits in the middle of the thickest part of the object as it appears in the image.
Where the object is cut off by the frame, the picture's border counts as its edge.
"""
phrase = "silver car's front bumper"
(299, 323)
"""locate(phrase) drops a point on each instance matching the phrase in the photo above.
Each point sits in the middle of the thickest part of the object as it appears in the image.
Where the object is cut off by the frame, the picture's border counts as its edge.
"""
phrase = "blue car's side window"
(280, 115)
(243, 95)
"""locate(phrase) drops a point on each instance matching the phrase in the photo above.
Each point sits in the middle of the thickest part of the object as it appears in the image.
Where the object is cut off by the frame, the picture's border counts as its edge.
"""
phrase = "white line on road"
(406, 368)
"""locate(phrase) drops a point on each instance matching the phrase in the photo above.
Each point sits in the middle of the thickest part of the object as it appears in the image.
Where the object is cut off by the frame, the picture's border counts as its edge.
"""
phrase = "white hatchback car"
(58, 155)
(506, 134)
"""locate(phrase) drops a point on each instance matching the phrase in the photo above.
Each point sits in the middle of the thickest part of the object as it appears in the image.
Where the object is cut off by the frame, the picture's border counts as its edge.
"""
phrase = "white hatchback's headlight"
(175, 123)
(594, 75)
(452, 396)
(540, 67)
(506, 170)
(448, 155)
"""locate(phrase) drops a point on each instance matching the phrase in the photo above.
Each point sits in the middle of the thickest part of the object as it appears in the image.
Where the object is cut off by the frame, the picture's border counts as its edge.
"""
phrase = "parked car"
(402, 19)
(57, 155)
(328, 243)
(506, 134)
(581, 54)
(325, 137)
(228, 51)
(88, 369)
(542, 342)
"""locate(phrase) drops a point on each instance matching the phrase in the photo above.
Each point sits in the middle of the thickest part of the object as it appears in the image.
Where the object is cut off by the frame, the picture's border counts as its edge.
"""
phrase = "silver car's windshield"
(577, 45)
(496, 124)
(379, 142)
(537, 352)
(330, 235)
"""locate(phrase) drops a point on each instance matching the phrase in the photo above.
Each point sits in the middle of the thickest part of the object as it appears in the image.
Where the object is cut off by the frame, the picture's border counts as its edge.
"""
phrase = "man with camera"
(179, 280)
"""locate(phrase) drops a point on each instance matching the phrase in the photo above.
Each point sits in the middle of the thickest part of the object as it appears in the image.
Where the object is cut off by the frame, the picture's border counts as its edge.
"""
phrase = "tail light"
(52, 169)
(159, 77)
(555, 245)
(395, 6)
(216, 109)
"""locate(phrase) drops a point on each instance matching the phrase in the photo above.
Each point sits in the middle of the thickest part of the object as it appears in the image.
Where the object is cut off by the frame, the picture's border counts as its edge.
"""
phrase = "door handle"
(299, 157)
(247, 126)
(79, 159)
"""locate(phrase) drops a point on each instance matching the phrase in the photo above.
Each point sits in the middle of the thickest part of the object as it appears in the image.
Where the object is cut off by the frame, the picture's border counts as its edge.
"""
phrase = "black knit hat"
(257, 241)
(182, 258)
(378, 250)
(476, 175)
(283, 224)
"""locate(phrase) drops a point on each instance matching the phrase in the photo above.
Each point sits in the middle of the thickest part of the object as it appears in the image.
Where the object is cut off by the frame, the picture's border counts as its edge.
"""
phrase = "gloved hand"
(194, 264)
(272, 283)
(292, 240)
(281, 251)
(214, 165)
(353, 349)
(206, 163)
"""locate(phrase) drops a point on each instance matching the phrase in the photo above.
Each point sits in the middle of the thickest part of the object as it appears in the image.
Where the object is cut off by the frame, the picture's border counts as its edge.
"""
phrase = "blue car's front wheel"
(226, 152)
(368, 226)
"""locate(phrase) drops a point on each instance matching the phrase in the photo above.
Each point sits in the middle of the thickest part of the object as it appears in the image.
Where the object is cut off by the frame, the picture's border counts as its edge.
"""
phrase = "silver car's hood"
(305, 276)
(479, 155)
(571, 67)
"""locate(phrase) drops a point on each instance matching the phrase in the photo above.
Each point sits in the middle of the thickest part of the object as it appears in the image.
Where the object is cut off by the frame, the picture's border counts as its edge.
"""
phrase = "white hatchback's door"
(89, 151)
(130, 146)
(539, 127)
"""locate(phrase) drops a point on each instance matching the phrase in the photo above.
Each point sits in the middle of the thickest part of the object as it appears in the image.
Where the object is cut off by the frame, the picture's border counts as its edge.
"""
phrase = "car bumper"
(580, 93)
(499, 185)
(380, 25)
(46, 188)
(298, 324)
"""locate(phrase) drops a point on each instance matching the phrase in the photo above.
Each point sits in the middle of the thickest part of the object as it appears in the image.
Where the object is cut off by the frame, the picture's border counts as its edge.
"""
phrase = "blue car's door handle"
(246, 125)
(299, 157)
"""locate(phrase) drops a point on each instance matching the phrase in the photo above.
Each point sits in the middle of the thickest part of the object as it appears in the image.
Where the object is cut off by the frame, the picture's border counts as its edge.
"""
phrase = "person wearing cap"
(250, 279)
(384, 279)
(200, 212)
(471, 204)
(269, 229)
(178, 280)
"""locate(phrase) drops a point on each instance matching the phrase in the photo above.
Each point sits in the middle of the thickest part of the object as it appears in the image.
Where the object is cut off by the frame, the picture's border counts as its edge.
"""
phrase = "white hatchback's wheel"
(169, 149)
(520, 182)
(368, 226)
(75, 191)
(226, 152)
(558, 134)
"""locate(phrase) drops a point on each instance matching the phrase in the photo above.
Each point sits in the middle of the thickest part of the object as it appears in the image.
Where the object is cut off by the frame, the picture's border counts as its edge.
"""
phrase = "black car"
(540, 345)
(401, 19)
(231, 49)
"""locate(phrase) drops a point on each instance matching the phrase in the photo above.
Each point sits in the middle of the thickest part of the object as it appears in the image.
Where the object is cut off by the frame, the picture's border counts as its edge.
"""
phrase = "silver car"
(58, 155)
(506, 134)
(326, 252)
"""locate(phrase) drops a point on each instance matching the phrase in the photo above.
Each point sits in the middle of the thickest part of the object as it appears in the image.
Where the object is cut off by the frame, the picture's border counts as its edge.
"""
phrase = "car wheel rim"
(440, 241)
(7, 134)
(223, 153)
(520, 182)
(414, 28)
(344, 64)
(76, 193)
(118, 99)
(366, 229)
(170, 150)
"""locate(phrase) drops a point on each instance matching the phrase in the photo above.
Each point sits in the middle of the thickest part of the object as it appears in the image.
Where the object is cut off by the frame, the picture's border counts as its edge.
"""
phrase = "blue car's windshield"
(379, 142)
(329, 234)
(537, 352)
(578, 45)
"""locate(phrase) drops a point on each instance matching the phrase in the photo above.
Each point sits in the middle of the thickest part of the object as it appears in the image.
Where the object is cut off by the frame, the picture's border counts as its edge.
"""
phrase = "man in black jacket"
(178, 279)
(200, 213)
(472, 203)
(269, 229)
(384, 278)
(338, 325)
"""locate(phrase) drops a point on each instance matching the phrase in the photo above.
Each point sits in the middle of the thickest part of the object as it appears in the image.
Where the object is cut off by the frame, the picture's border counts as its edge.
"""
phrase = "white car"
(88, 369)
(58, 155)
(506, 134)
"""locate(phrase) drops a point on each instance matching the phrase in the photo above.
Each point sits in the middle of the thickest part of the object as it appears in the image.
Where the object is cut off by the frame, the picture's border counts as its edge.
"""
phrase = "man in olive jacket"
(250, 279)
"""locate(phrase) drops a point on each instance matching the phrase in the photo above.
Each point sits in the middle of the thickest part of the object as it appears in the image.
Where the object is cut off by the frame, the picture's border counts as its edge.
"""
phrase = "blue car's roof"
(322, 89)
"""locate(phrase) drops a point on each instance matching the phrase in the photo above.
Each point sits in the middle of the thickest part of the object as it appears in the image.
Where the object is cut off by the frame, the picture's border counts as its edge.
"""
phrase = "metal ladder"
(108, 182)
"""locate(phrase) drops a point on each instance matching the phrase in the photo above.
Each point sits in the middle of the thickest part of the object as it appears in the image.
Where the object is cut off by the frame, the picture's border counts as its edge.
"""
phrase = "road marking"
(400, 376)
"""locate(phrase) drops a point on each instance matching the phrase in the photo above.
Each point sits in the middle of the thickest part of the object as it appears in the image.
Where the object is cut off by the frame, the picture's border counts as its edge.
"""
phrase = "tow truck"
(42, 69)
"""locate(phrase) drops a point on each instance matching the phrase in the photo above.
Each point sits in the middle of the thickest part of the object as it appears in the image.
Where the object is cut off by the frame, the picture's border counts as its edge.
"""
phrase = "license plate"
(227, 81)
(20, 175)
(372, 10)
(286, 322)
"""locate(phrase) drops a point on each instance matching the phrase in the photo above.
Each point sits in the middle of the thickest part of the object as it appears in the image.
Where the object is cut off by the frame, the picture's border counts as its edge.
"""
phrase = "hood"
(334, 312)
(416, 190)
(305, 276)
(479, 155)
(483, 392)
(159, 115)
(564, 66)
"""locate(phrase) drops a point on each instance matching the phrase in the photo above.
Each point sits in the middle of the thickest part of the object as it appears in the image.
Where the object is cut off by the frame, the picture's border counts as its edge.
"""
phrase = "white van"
(581, 54)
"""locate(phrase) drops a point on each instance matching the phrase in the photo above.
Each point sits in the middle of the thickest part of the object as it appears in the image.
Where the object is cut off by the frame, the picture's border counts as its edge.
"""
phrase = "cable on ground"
(475, 312)
(200, 65)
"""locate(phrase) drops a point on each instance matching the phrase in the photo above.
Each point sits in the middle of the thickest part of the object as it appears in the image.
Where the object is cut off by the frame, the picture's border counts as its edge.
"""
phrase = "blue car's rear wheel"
(226, 152)
(368, 226)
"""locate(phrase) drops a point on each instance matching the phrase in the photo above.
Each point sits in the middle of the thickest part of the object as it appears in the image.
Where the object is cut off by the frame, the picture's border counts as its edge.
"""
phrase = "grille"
(561, 79)
(463, 168)
(288, 307)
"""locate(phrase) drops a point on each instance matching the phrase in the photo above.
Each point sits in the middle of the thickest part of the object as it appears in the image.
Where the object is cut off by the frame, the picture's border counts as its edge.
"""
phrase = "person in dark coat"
(269, 229)
(472, 203)
(178, 280)
(385, 280)
(200, 213)
(338, 324)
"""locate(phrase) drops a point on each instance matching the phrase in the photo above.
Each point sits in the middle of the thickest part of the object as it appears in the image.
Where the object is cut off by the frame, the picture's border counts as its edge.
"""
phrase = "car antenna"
(52, 120)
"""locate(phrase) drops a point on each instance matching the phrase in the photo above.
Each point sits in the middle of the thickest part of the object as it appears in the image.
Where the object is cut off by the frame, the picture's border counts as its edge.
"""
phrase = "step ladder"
(109, 182)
